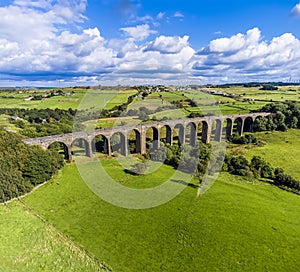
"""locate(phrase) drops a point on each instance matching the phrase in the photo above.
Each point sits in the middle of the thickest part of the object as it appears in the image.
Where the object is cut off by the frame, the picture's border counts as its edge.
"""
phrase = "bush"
(138, 168)
(247, 139)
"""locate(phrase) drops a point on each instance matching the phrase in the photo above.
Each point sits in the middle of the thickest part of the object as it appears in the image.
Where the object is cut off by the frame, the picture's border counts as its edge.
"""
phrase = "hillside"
(235, 226)
(29, 244)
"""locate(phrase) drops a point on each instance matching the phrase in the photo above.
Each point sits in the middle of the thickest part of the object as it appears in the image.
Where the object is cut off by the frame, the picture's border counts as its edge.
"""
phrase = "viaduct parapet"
(183, 131)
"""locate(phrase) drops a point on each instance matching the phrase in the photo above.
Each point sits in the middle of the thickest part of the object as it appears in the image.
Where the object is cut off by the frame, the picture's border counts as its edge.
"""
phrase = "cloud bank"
(41, 41)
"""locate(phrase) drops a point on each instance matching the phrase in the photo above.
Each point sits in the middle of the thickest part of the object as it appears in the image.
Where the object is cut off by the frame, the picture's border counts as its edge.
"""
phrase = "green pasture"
(282, 94)
(119, 99)
(150, 103)
(29, 244)
(281, 149)
(167, 96)
(81, 99)
(228, 108)
(170, 114)
(236, 226)
(241, 107)
(202, 98)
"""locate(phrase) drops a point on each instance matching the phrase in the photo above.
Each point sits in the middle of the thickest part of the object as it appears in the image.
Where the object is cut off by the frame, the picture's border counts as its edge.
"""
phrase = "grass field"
(28, 244)
(282, 150)
(120, 98)
(81, 99)
(235, 226)
(282, 94)
(16, 100)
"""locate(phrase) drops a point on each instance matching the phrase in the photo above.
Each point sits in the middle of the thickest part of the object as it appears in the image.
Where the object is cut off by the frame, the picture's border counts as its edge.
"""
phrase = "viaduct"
(181, 130)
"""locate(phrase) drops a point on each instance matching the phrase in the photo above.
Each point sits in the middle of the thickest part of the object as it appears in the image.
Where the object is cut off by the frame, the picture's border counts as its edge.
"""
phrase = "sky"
(137, 42)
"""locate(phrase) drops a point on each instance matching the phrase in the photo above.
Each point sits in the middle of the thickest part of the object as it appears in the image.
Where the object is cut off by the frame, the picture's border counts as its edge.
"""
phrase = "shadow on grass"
(131, 172)
(185, 183)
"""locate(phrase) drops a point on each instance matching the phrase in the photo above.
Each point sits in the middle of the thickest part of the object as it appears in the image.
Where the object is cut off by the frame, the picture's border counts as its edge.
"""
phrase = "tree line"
(259, 168)
(22, 167)
(285, 115)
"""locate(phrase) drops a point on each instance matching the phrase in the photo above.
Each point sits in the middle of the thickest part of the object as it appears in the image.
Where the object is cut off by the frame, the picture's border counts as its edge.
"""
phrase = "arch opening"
(179, 134)
(217, 130)
(206, 131)
(191, 134)
(62, 149)
(118, 143)
(248, 124)
(166, 135)
(81, 147)
(134, 141)
(101, 144)
(152, 138)
(238, 126)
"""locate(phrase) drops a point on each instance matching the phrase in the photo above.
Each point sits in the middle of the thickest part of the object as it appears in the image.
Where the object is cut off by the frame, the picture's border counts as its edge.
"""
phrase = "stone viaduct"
(183, 131)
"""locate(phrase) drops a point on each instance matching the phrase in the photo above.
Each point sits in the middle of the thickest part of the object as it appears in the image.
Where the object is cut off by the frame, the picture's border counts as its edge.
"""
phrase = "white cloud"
(37, 3)
(146, 19)
(168, 45)
(235, 42)
(178, 14)
(248, 57)
(296, 10)
(160, 15)
(139, 32)
(33, 42)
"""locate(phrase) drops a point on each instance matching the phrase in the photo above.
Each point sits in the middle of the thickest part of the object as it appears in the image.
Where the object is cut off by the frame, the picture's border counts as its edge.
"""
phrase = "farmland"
(240, 224)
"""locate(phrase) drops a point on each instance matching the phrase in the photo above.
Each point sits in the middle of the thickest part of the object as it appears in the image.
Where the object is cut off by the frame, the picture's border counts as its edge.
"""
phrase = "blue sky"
(81, 42)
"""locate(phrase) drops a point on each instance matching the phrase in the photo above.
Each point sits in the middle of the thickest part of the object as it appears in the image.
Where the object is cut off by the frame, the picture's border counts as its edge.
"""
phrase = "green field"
(120, 98)
(282, 94)
(16, 100)
(29, 244)
(80, 99)
(282, 150)
(235, 226)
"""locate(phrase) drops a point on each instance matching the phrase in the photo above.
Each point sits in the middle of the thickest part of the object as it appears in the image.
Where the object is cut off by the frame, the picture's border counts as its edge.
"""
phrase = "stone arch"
(101, 144)
(134, 141)
(238, 126)
(179, 134)
(118, 143)
(248, 124)
(152, 138)
(61, 148)
(191, 133)
(81, 146)
(166, 134)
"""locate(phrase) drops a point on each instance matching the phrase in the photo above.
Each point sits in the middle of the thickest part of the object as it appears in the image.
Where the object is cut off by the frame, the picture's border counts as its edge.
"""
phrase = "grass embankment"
(29, 244)
(235, 226)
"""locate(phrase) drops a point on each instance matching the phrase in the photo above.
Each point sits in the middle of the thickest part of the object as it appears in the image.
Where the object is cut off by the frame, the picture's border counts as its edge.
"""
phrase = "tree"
(22, 166)
(143, 116)
(261, 167)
